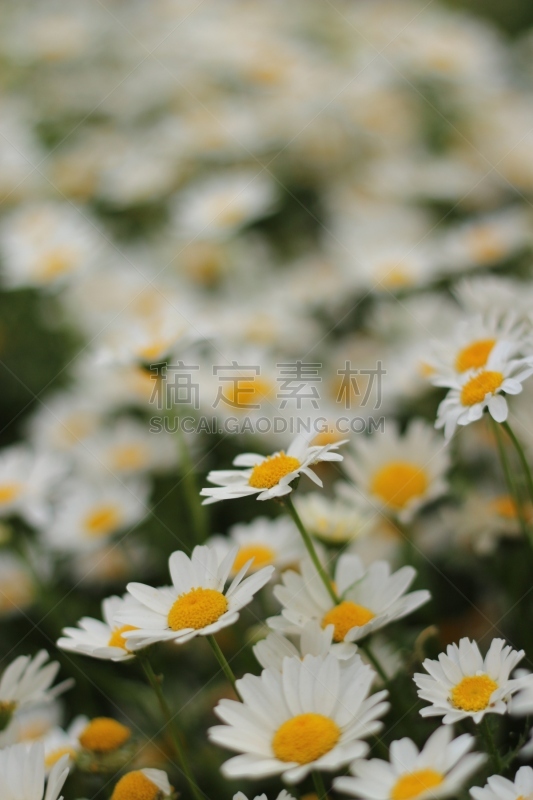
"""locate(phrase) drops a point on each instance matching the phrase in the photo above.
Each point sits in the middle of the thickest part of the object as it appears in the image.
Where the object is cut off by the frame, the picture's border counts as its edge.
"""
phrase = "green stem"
(511, 486)
(522, 456)
(155, 683)
(490, 745)
(222, 660)
(365, 647)
(308, 542)
(191, 490)
(320, 789)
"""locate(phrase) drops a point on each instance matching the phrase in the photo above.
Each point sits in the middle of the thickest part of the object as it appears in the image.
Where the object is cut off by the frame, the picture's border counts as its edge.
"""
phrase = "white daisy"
(400, 473)
(283, 795)
(314, 640)
(269, 476)
(27, 681)
(59, 743)
(499, 788)
(464, 684)
(143, 784)
(103, 640)
(334, 521)
(27, 481)
(17, 585)
(197, 603)
(440, 769)
(477, 389)
(265, 541)
(310, 716)
(22, 773)
(369, 598)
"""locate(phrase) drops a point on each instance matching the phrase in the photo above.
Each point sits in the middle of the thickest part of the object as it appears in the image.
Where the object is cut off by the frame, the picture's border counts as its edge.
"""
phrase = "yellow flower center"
(246, 393)
(197, 609)
(345, 616)
(504, 507)
(261, 554)
(473, 693)
(475, 355)
(135, 786)
(485, 245)
(9, 492)
(305, 738)
(272, 470)
(53, 757)
(399, 482)
(132, 456)
(413, 784)
(474, 390)
(102, 520)
(57, 262)
(104, 735)
(117, 639)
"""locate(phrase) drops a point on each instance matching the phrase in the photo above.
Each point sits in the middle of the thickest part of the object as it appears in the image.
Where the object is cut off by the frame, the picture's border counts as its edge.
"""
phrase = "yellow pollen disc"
(413, 784)
(475, 355)
(399, 482)
(104, 735)
(117, 639)
(57, 262)
(345, 616)
(504, 507)
(305, 738)
(129, 457)
(53, 757)
(102, 521)
(474, 390)
(197, 609)
(9, 492)
(135, 786)
(261, 554)
(272, 470)
(246, 393)
(473, 693)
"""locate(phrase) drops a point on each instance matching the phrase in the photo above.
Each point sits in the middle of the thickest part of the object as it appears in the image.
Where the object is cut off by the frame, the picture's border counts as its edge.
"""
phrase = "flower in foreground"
(143, 784)
(269, 476)
(476, 390)
(22, 773)
(103, 640)
(440, 769)
(312, 715)
(498, 788)
(369, 598)
(464, 684)
(197, 603)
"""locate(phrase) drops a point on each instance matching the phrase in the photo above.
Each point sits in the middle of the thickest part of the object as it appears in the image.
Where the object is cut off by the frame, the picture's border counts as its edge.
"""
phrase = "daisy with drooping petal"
(312, 715)
(314, 640)
(197, 604)
(369, 598)
(440, 769)
(464, 684)
(478, 389)
(143, 784)
(27, 681)
(103, 640)
(499, 788)
(265, 541)
(22, 773)
(269, 476)
(400, 473)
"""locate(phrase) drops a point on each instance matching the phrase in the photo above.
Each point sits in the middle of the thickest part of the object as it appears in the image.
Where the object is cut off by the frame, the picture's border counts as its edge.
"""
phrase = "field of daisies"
(266, 406)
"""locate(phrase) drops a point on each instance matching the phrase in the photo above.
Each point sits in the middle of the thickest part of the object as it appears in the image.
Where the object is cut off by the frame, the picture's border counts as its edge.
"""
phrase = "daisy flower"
(334, 521)
(26, 682)
(440, 769)
(464, 684)
(369, 598)
(22, 773)
(400, 473)
(103, 640)
(265, 541)
(197, 604)
(283, 795)
(27, 481)
(58, 742)
(314, 640)
(143, 784)
(478, 389)
(17, 586)
(498, 788)
(269, 476)
(289, 723)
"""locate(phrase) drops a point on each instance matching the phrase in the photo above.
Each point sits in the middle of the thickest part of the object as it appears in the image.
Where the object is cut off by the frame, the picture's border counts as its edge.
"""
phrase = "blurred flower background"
(220, 218)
